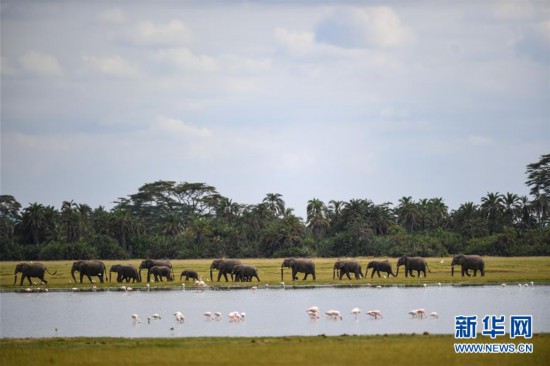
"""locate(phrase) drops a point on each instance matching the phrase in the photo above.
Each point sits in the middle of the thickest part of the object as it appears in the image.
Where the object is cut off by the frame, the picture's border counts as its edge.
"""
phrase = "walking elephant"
(160, 271)
(224, 267)
(29, 270)
(299, 265)
(378, 266)
(473, 262)
(346, 267)
(125, 272)
(189, 274)
(244, 273)
(412, 264)
(150, 263)
(89, 268)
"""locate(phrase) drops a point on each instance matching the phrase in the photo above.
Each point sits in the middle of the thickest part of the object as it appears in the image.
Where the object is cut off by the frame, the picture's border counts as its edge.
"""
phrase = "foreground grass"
(343, 350)
(498, 270)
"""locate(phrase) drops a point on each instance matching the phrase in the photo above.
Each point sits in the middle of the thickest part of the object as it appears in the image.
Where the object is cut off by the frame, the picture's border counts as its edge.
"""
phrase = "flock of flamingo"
(313, 313)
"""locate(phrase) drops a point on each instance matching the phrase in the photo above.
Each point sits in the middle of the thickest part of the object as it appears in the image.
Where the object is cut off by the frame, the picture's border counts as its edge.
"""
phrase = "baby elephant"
(189, 274)
(159, 272)
(378, 267)
(245, 273)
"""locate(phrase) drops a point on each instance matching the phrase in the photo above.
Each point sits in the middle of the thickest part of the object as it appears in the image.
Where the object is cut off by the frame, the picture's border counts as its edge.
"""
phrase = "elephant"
(302, 265)
(125, 273)
(245, 273)
(189, 274)
(412, 264)
(29, 270)
(224, 266)
(346, 267)
(150, 263)
(473, 262)
(378, 266)
(159, 272)
(89, 268)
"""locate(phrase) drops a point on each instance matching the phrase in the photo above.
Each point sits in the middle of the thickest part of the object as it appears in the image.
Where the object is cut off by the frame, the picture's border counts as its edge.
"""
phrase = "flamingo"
(135, 317)
(218, 315)
(420, 313)
(313, 309)
(207, 315)
(235, 316)
(155, 316)
(434, 315)
(334, 314)
(180, 318)
(355, 311)
(375, 314)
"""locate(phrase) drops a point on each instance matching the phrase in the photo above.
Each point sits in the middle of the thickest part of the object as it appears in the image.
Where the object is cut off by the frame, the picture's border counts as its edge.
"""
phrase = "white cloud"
(113, 16)
(173, 33)
(112, 66)
(299, 42)
(186, 59)
(478, 140)
(179, 129)
(41, 64)
(364, 27)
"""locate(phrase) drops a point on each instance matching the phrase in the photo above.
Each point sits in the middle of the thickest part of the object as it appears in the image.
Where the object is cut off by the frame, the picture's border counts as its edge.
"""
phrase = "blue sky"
(327, 100)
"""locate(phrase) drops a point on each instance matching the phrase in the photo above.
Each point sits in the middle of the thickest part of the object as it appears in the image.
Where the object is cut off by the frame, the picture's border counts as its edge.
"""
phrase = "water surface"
(269, 312)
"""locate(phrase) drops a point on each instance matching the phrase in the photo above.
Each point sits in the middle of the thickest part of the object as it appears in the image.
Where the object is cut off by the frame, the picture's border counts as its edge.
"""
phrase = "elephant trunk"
(110, 275)
(333, 274)
(452, 270)
(211, 279)
(397, 272)
(15, 280)
(72, 273)
(281, 274)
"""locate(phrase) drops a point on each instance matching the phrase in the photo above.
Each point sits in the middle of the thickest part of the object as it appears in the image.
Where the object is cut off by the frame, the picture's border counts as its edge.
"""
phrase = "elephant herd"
(238, 271)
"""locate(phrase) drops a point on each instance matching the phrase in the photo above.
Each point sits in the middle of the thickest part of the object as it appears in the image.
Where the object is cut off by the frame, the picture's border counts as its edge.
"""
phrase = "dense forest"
(166, 219)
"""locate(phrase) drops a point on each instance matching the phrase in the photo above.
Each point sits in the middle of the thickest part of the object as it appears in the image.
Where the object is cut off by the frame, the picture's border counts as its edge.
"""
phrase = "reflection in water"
(268, 312)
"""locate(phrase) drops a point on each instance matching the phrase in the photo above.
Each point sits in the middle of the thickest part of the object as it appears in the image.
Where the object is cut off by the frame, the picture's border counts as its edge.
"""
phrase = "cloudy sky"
(309, 99)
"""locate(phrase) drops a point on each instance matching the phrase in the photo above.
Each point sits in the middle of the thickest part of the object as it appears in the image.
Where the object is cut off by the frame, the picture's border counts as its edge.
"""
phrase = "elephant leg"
(475, 272)
(378, 273)
(225, 276)
(305, 276)
(348, 275)
(101, 278)
(294, 277)
(482, 272)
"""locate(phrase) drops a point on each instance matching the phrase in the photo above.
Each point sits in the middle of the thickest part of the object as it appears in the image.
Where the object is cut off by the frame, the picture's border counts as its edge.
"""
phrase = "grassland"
(423, 350)
(499, 270)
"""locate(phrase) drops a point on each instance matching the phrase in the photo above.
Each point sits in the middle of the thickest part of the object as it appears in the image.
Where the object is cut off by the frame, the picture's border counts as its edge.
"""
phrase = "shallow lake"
(269, 312)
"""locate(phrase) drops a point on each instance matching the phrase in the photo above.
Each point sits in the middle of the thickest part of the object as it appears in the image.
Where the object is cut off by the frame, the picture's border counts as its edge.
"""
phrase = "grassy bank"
(510, 270)
(343, 350)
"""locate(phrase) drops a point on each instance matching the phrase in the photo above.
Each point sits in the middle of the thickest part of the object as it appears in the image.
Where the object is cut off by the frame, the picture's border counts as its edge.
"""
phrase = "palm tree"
(512, 208)
(71, 220)
(492, 208)
(123, 225)
(34, 222)
(275, 203)
(408, 214)
(317, 220)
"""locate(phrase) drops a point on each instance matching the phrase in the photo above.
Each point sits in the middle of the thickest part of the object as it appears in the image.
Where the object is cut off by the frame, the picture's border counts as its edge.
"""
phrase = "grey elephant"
(299, 265)
(473, 262)
(379, 266)
(125, 272)
(411, 264)
(346, 267)
(224, 267)
(29, 270)
(189, 274)
(160, 271)
(244, 273)
(150, 263)
(89, 268)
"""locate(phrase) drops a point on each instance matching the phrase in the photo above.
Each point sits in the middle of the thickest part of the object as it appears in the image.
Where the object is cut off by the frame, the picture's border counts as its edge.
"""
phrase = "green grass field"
(423, 350)
(499, 270)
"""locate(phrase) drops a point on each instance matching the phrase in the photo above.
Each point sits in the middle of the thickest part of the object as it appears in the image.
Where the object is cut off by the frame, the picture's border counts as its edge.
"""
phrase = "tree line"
(166, 219)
